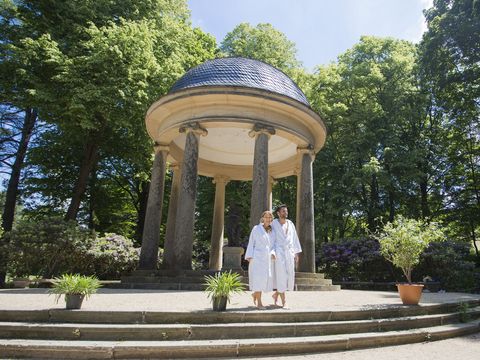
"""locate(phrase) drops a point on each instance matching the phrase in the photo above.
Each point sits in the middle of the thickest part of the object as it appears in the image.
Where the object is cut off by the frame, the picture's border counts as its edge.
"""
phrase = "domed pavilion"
(229, 119)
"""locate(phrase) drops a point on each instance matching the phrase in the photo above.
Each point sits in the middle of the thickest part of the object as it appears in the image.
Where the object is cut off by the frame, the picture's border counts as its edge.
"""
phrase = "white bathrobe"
(260, 249)
(286, 246)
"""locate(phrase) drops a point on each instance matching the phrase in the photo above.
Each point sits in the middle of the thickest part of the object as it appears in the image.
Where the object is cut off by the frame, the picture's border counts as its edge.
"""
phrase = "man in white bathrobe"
(287, 248)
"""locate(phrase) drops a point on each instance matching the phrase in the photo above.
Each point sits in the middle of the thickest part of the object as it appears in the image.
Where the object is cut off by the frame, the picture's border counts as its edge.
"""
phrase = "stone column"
(185, 217)
(168, 249)
(271, 182)
(153, 216)
(298, 174)
(259, 199)
(215, 261)
(306, 230)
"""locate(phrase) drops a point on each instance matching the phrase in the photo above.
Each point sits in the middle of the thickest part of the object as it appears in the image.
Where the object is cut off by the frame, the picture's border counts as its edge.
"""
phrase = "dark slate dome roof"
(237, 71)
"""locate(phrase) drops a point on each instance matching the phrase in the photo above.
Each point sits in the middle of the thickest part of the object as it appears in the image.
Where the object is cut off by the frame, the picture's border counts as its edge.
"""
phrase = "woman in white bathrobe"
(287, 248)
(260, 252)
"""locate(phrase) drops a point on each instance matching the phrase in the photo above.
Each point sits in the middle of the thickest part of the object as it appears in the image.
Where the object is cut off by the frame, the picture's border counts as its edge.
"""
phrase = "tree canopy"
(77, 77)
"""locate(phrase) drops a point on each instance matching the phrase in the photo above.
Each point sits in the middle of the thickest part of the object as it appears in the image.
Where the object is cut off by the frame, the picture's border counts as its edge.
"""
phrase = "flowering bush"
(112, 255)
(354, 260)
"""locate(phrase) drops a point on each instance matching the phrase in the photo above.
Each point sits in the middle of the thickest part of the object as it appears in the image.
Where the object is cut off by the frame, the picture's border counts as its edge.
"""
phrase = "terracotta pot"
(219, 303)
(410, 293)
(74, 301)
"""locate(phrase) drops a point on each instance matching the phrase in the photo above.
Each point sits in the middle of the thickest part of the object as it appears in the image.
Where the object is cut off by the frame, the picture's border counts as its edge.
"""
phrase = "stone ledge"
(226, 348)
(155, 332)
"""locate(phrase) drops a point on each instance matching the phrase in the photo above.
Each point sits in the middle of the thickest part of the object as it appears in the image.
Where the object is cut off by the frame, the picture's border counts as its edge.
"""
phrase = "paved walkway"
(164, 300)
(461, 348)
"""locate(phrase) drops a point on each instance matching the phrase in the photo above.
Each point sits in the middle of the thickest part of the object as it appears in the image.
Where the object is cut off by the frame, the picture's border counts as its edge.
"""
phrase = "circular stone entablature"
(231, 98)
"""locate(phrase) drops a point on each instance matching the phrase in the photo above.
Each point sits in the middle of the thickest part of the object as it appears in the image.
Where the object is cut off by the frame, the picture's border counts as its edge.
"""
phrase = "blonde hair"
(265, 213)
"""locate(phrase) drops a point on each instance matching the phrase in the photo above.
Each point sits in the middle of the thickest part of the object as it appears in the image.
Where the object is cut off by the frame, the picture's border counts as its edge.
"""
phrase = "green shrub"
(50, 247)
(46, 248)
(448, 262)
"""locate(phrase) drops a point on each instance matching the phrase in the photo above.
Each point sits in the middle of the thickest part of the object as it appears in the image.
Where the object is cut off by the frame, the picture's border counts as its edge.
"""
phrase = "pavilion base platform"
(132, 324)
(194, 280)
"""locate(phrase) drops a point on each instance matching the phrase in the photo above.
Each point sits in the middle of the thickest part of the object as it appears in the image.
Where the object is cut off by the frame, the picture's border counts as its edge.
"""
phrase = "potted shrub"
(221, 287)
(402, 242)
(75, 288)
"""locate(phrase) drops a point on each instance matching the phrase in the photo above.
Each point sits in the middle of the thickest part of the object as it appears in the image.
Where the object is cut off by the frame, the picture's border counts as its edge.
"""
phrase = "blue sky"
(321, 29)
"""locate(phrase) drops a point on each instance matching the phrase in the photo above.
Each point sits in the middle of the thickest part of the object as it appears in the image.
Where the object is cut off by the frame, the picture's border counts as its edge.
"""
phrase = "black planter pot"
(74, 301)
(219, 303)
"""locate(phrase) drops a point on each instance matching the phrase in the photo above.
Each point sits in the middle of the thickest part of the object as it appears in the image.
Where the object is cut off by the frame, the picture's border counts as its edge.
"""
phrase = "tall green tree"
(262, 42)
(118, 57)
(450, 60)
(374, 161)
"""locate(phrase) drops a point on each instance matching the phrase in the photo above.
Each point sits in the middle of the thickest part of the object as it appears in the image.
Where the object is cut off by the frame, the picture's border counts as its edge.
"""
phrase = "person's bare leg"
(275, 298)
(282, 298)
(254, 298)
(259, 300)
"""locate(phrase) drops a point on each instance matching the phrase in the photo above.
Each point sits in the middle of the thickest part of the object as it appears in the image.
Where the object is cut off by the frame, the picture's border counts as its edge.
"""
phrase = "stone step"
(317, 287)
(173, 273)
(211, 317)
(302, 275)
(201, 273)
(165, 286)
(200, 286)
(155, 332)
(128, 280)
(82, 349)
(163, 279)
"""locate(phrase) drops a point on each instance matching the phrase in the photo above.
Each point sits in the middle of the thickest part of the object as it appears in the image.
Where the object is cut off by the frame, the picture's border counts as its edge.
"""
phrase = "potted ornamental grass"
(402, 243)
(221, 287)
(75, 288)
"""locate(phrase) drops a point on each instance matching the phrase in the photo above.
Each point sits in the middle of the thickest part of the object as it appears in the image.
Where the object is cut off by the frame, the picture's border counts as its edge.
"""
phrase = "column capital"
(174, 166)
(157, 147)
(194, 127)
(261, 129)
(306, 150)
(218, 179)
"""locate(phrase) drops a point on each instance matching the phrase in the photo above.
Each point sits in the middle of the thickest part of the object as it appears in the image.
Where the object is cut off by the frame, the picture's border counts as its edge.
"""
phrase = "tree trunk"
(90, 155)
(373, 205)
(474, 240)
(391, 205)
(12, 188)
(91, 200)
(424, 199)
(142, 210)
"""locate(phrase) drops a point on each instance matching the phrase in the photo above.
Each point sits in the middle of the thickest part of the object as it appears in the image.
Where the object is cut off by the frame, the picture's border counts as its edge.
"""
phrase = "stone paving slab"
(166, 300)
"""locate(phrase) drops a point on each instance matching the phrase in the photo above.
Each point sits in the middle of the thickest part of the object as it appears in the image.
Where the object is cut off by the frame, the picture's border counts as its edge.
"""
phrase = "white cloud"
(415, 32)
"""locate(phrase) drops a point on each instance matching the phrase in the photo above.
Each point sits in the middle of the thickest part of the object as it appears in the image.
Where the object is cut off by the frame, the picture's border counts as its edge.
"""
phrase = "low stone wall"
(432, 286)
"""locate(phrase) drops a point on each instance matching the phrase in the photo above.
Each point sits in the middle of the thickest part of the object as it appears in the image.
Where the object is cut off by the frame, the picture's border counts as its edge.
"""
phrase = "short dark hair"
(280, 207)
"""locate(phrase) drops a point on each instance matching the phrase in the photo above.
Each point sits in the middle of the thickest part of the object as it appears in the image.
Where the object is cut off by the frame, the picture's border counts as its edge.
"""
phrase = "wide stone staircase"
(83, 334)
(194, 280)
